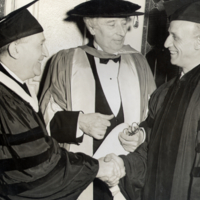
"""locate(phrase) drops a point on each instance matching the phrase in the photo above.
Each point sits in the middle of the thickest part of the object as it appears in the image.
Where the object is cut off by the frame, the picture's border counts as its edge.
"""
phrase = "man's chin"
(116, 49)
(173, 61)
(37, 71)
(37, 78)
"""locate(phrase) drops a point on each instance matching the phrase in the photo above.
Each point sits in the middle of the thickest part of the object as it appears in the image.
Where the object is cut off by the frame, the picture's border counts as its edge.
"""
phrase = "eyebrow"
(172, 33)
(111, 20)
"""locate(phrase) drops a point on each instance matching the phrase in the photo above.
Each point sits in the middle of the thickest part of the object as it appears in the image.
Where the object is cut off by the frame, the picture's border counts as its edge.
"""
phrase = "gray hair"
(4, 49)
(90, 22)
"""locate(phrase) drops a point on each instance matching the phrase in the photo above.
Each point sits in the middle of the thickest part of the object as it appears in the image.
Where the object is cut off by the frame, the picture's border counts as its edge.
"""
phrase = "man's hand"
(118, 161)
(94, 124)
(109, 172)
(131, 142)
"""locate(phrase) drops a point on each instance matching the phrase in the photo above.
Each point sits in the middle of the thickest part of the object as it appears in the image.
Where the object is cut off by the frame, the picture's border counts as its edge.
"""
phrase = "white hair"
(90, 22)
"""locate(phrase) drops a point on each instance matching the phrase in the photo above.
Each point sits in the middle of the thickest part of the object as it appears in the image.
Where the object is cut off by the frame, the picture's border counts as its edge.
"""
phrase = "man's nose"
(45, 51)
(168, 41)
(122, 30)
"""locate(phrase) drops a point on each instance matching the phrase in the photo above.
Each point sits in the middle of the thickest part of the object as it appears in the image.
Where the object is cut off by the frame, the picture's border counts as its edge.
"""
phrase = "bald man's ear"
(197, 43)
(13, 50)
(89, 24)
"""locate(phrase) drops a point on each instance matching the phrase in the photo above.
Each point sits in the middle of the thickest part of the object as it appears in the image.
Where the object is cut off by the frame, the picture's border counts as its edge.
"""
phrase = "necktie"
(105, 60)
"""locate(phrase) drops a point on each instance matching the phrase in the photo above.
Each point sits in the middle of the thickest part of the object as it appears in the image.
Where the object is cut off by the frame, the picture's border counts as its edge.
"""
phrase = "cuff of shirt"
(79, 132)
(144, 134)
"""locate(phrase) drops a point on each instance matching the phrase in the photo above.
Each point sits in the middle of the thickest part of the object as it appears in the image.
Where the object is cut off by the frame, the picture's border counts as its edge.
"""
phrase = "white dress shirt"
(108, 76)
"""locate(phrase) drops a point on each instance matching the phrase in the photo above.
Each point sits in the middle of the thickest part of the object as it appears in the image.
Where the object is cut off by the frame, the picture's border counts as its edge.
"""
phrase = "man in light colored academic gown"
(85, 96)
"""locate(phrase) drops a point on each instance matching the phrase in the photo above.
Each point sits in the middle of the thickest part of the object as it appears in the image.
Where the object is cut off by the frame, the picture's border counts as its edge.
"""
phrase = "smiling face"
(109, 33)
(32, 52)
(182, 43)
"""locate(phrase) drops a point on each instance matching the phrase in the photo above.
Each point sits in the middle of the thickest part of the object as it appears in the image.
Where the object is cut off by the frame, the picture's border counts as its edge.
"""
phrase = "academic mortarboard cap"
(18, 24)
(183, 10)
(105, 8)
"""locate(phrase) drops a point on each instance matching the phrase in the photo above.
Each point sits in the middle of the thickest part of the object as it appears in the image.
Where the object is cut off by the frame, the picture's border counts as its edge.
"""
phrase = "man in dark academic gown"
(32, 164)
(90, 91)
(171, 157)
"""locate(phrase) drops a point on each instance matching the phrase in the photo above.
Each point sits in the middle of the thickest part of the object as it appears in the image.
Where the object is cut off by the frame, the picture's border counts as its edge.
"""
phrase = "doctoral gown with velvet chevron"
(32, 165)
(171, 158)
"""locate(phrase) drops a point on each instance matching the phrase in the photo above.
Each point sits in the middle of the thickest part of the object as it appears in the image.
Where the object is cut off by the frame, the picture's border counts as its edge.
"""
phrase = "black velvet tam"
(105, 8)
(183, 10)
(18, 24)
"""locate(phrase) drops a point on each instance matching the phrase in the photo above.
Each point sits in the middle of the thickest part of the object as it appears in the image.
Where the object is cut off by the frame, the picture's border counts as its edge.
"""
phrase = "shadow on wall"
(158, 56)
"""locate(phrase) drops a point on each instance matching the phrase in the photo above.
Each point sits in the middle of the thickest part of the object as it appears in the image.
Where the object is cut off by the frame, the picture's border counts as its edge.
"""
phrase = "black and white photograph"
(99, 99)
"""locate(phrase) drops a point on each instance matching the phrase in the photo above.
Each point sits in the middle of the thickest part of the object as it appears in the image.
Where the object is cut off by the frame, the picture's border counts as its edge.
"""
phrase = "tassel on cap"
(135, 22)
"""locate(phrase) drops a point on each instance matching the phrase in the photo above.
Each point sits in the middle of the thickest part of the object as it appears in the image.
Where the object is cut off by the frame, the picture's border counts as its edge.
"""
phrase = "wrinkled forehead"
(103, 20)
(184, 29)
(182, 25)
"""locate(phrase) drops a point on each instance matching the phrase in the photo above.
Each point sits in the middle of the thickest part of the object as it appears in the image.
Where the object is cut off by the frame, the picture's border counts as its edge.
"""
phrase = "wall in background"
(2, 5)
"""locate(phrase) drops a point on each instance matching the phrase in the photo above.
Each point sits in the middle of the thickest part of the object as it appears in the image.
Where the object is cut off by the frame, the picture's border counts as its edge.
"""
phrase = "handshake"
(111, 169)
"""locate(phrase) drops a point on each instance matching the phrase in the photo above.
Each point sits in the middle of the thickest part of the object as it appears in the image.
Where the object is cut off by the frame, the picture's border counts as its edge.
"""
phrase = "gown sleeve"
(62, 123)
(136, 162)
(32, 164)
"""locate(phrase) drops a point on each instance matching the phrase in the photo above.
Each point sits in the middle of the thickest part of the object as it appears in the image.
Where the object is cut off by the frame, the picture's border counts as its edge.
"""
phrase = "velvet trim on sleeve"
(63, 126)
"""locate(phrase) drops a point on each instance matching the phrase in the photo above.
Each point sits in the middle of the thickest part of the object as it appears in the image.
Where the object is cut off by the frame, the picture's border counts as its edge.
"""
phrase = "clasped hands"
(111, 169)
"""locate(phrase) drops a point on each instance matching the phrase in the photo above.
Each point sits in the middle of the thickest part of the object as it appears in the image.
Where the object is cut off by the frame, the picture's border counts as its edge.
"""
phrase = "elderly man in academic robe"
(93, 93)
(173, 148)
(32, 164)
(90, 94)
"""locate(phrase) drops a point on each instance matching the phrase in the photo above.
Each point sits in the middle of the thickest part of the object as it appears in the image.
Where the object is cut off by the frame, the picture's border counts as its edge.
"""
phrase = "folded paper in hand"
(112, 144)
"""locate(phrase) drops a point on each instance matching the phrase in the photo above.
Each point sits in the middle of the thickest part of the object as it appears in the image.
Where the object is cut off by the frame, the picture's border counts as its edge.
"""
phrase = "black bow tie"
(105, 60)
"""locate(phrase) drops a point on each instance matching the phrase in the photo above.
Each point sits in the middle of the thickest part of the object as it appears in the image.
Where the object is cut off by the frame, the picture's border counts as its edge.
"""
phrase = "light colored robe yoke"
(69, 66)
(71, 85)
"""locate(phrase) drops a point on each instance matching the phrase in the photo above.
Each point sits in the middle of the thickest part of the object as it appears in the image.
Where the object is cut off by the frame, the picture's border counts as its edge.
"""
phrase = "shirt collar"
(182, 74)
